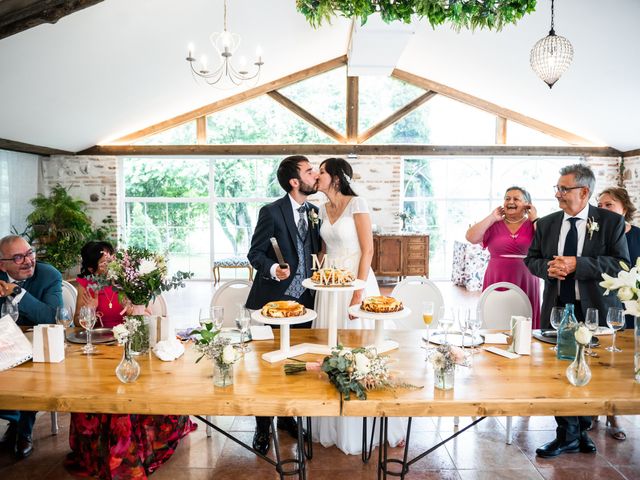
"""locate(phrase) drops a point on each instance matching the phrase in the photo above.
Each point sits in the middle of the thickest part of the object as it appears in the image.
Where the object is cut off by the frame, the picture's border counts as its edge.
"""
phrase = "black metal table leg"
(366, 451)
(298, 464)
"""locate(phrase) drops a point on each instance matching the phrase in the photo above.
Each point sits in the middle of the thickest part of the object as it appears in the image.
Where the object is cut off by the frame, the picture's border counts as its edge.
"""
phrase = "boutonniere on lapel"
(592, 226)
(314, 219)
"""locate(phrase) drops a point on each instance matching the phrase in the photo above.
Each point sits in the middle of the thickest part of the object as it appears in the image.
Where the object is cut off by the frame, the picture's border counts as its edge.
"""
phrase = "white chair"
(496, 306)
(232, 296)
(158, 307)
(69, 298)
(499, 302)
(412, 292)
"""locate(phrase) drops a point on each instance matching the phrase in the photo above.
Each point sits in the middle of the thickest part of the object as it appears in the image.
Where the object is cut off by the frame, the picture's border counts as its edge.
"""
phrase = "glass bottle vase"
(128, 370)
(222, 375)
(444, 378)
(579, 373)
(140, 339)
(566, 334)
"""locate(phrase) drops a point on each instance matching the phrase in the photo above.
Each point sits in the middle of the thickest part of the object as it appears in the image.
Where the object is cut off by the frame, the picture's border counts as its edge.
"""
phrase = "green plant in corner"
(59, 226)
(468, 14)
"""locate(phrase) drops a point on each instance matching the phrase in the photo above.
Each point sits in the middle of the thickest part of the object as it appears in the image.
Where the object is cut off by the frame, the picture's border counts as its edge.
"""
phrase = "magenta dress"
(507, 265)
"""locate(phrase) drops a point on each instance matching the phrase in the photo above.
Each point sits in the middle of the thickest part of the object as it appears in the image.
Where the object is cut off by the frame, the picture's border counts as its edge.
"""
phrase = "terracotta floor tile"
(485, 448)
(529, 441)
(529, 473)
(530, 423)
(630, 473)
(577, 473)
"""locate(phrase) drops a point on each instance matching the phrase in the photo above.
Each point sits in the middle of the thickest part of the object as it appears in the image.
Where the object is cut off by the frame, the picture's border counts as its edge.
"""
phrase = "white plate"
(356, 311)
(258, 317)
(454, 339)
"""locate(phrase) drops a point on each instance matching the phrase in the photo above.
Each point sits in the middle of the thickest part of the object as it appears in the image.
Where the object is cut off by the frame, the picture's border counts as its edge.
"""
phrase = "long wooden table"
(494, 386)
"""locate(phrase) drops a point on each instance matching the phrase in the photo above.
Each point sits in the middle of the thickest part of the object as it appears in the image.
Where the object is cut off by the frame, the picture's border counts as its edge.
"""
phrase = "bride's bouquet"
(352, 371)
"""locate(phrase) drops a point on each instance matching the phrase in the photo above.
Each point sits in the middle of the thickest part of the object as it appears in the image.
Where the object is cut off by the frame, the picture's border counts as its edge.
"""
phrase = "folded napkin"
(261, 332)
(168, 350)
(499, 338)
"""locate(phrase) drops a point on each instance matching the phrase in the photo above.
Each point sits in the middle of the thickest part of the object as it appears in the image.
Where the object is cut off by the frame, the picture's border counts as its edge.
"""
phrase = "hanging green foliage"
(467, 14)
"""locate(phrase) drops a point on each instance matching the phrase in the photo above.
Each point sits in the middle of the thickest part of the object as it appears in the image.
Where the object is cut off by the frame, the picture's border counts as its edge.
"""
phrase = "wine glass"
(615, 321)
(555, 320)
(427, 315)
(9, 308)
(63, 317)
(243, 322)
(464, 320)
(446, 321)
(475, 324)
(87, 320)
(217, 317)
(591, 322)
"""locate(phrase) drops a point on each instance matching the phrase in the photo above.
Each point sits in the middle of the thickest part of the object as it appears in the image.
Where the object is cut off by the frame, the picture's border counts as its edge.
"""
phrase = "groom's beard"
(307, 189)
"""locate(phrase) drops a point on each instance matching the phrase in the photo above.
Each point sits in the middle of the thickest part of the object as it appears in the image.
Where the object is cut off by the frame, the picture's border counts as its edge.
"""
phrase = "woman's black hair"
(91, 254)
(340, 170)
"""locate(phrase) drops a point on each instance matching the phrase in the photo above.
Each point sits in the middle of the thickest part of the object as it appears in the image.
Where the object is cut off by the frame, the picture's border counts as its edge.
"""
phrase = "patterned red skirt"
(119, 447)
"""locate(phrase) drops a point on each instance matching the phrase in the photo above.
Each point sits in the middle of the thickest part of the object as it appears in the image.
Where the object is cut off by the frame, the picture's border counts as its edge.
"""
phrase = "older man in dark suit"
(288, 221)
(570, 251)
(36, 289)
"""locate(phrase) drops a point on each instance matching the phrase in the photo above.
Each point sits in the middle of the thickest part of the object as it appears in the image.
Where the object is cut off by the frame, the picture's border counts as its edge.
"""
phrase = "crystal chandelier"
(226, 44)
(551, 56)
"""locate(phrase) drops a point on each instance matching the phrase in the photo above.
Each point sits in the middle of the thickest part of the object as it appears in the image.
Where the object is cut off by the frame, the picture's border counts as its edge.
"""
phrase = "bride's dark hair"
(340, 169)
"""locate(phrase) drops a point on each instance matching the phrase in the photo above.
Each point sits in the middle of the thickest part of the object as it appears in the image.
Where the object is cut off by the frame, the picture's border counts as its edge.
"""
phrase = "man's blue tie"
(568, 285)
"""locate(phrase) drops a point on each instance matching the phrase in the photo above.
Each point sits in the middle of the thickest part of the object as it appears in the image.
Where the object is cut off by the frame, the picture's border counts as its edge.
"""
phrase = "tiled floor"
(480, 453)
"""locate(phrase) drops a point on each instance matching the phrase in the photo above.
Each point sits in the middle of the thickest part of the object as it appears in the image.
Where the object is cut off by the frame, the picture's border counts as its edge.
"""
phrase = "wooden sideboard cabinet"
(401, 255)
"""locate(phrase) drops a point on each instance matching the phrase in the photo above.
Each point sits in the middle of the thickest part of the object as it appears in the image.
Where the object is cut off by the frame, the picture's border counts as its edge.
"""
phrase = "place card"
(261, 332)
(48, 343)
(497, 338)
(501, 352)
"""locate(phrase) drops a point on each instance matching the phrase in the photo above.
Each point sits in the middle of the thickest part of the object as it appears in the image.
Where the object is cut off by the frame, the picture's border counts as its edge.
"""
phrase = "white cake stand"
(286, 350)
(380, 344)
(332, 329)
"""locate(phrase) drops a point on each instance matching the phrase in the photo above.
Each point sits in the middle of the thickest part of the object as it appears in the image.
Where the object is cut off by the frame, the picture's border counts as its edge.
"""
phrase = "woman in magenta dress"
(508, 232)
(117, 446)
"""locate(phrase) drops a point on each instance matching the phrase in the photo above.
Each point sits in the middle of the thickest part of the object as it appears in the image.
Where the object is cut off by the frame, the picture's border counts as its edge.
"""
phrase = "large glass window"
(196, 210)
(449, 194)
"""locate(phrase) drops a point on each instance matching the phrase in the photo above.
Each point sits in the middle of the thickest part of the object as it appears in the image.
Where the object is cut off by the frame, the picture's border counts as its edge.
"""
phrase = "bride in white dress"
(348, 241)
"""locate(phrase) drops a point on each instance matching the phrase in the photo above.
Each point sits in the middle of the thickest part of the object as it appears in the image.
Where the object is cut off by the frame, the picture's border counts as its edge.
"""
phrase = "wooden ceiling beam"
(631, 153)
(491, 108)
(501, 130)
(307, 116)
(28, 148)
(233, 100)
(16, 17)
(395, 116)
(352, 109)
(347, 149)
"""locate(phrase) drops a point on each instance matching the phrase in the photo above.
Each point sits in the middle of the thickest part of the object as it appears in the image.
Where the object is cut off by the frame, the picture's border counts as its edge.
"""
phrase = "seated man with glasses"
(36, 289)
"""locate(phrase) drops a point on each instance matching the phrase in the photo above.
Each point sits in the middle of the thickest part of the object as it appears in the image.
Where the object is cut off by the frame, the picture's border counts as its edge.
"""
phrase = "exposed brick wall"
(631, 181)
(606, 170)
(92, 179)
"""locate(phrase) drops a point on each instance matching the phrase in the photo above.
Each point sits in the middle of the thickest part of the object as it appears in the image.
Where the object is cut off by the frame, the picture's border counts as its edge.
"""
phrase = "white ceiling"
(119, 66)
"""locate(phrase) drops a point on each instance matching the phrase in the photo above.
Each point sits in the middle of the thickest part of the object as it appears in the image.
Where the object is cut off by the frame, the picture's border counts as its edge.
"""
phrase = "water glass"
(8, 308)
(615, 321)
(63, 317)
(87, 319)
(446, 321)
(591, 322)
(213, 315)
(555, 320)
(243, 322)
(476, 324)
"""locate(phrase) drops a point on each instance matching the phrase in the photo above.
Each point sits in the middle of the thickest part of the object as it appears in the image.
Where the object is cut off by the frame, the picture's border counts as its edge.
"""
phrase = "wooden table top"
(494, 386)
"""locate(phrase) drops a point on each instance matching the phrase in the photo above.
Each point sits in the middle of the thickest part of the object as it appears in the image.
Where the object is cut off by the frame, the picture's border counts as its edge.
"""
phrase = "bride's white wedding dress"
(343, 248)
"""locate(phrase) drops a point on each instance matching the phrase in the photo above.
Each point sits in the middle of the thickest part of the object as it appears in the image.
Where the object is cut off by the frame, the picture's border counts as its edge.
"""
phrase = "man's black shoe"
(262, 441)
(290, 426)
(556, 447)
(586, 444)
(24, 446)
(8, 441)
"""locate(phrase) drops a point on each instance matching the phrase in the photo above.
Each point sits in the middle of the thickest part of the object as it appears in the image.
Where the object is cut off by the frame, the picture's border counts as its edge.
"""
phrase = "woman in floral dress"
(118, 446)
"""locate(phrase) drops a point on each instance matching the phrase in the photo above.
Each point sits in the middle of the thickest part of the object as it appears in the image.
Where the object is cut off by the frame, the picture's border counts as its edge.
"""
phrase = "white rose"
(437, 360)
(229, 354)
(362, 363)
(583, 335)
(146, 266)
(625, 294)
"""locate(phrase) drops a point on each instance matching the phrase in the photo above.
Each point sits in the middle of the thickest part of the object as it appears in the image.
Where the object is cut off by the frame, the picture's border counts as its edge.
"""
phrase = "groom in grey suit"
(570, 251)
